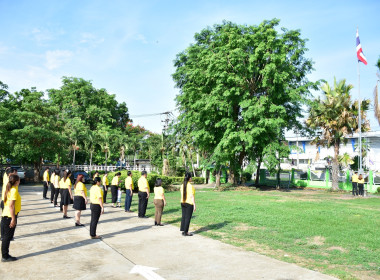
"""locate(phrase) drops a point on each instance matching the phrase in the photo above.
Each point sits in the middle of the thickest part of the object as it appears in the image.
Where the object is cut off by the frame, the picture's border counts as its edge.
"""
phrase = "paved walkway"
(49, 247)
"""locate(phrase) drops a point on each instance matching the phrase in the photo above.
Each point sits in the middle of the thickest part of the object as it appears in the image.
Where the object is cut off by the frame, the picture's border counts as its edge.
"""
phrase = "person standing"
(106, 184)
(159, 201)
(95, 175)
(56, 186)
(187, 204)
(97, 208)
(46, 181)
(12, 206)
(52, 187)
(143, 185)
(114, 187)
(80, 198)
(128, 192)
(8, 172)
(354, 180)
(66, 194)
(361, 185)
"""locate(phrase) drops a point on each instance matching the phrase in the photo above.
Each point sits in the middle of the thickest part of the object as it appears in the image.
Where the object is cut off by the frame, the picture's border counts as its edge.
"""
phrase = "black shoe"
(161, 225)
(155, 223)
(9, 259)
(187, 234)
(66, 217)
(79, 225)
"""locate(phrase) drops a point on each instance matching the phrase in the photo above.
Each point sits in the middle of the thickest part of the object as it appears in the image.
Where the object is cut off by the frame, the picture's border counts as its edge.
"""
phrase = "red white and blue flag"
(359, 51)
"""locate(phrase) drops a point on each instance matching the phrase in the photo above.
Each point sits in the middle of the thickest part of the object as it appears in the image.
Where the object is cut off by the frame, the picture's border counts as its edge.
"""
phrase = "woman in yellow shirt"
(114, 187)
(80, 198)
(46, 182)
(55, 182)
(361, 185)
(12, 206)
(187, 204)
(66, 194)
(159, 201)
(97, 208)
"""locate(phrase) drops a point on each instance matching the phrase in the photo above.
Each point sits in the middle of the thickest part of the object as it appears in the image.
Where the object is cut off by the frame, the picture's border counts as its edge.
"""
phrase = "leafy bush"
(198, 180)
(246, 176)
(378, 189)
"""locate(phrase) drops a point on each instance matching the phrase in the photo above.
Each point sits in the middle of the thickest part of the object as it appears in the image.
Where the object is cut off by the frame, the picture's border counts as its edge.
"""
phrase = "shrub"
(198, 180)
(246, 176)
(378, 189)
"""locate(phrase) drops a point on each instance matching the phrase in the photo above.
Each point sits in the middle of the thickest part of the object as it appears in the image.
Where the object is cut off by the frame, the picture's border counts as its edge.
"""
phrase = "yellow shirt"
(115, 181)
(105, 181)
(13, 194)
(128, 182)
(355, 178)
(95, 193)
(56, 181)
(361, 181)
(143, 185)
(159, 193)
(46, 176)
(190, 190)
(79, 188)
(65, 184)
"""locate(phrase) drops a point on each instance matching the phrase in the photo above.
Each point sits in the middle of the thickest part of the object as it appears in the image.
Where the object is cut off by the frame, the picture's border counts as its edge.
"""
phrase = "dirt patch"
(337, 248)
(316, 240)
(245, 227)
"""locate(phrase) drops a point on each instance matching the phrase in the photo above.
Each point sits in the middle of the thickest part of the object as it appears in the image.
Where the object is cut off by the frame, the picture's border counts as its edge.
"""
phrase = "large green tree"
(337, 116)
(239, 85)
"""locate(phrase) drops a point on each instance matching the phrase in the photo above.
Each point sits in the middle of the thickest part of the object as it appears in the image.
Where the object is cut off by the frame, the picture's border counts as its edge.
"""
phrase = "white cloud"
(90, 39)
(141, 38)
(55, 59)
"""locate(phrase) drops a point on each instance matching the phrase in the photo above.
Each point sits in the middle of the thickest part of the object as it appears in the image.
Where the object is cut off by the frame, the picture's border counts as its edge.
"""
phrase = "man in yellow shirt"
(354, 180)
(128, 192)
(46, 180)
(106, 184)
(97, 208)
(143, 194)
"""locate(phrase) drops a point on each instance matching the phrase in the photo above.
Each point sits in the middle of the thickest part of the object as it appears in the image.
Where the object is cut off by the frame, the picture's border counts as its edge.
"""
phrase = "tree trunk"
(75, 148)
(36, 169)
(231, 177)
(91, 160)
(258, 172)
(165, 167)
(217, 179)
(278, 185)
(335, 168)
(207, 175)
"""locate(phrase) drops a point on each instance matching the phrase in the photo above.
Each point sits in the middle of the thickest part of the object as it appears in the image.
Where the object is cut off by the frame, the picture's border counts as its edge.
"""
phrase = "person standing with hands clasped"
(97, 208)
(159, 201)
(80, 198)
(143, 185)
(361, 185)
(114, 187)
(46, 181)
(106, 183)
(128, 192)
(12, 206)
(354, 180)
(66, 194)
(187, 204)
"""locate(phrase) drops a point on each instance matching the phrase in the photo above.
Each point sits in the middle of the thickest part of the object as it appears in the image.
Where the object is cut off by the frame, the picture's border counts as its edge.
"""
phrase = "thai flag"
(359, 50)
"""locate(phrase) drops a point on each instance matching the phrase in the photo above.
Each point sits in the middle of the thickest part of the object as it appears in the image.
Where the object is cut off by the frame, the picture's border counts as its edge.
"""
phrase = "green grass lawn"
(329, 232)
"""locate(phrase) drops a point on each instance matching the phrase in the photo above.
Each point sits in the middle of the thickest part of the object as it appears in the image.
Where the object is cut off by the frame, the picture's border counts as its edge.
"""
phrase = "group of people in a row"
(11, 200)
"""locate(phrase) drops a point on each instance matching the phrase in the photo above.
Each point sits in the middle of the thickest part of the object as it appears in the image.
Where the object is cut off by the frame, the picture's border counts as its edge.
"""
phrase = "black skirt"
(65, 197)
(79, 203)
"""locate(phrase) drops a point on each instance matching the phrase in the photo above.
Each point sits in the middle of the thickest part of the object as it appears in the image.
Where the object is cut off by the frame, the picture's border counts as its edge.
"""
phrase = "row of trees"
(75, 123)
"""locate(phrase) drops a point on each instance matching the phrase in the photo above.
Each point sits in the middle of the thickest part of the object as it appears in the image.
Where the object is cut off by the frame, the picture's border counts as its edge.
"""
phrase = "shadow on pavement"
(139, 228)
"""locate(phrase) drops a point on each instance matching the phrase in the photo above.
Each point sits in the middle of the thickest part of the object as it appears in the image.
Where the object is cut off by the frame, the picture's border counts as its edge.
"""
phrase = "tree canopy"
(240, 88)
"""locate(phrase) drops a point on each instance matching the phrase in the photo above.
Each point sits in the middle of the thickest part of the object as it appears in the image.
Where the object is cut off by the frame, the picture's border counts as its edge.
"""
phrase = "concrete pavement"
(49, 247)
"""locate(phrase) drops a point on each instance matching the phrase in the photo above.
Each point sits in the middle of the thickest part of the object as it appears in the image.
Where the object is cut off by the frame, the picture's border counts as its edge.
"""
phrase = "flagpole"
(360, 125)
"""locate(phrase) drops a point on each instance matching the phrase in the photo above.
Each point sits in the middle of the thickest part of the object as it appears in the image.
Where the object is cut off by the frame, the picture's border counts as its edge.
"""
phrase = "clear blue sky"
(128, 47)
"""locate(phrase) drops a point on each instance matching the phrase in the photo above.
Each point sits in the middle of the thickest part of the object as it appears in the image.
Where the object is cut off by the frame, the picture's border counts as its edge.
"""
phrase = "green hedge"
(152, 177)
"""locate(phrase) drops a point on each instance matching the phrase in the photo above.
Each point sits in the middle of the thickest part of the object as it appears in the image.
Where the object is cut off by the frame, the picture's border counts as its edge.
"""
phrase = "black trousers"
(143, 203)
(354, 188)
(105, 189)
(45, 190)
(52, 192)
(56, 193)
(7, 234)
(114, 193)
(95, 215)
(187, 212)
(361, 189)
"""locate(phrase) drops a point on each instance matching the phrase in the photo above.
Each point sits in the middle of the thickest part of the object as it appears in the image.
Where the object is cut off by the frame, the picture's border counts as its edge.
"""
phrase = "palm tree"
(337, 116)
